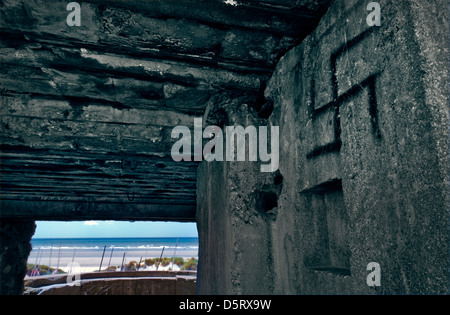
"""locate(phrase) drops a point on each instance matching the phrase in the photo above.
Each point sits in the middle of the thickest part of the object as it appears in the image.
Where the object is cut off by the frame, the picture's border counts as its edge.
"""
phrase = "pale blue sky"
(81, 229)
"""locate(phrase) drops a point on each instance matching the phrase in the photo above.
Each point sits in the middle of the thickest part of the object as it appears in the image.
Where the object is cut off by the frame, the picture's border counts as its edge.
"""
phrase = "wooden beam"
(110, 176)
(65, 57)
(221, 39)
(92, 210)
(286, 16)
(42, 107)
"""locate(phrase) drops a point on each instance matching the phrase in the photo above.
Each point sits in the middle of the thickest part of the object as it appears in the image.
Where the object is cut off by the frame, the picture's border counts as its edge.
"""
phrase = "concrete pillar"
(15, 247)
(236, 205)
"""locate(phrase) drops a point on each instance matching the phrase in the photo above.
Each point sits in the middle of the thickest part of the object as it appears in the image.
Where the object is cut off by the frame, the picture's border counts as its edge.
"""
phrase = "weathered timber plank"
(91, 210)
(19, 180)
(123, 27)
(109, 64)
(47, 108)
(286, 16)
(120, 160)
(84, 136)
(119, 196)
(33, 174)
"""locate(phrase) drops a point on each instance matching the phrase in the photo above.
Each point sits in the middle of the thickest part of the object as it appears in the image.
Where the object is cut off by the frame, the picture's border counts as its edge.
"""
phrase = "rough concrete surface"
(114, 283)
(14, 250)
(363, 158)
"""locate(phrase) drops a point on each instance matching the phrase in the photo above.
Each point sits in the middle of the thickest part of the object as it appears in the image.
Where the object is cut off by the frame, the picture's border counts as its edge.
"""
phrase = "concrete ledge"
(115, 283)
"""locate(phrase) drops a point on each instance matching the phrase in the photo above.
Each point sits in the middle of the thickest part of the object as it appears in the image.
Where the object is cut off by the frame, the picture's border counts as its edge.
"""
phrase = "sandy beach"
(87, 258)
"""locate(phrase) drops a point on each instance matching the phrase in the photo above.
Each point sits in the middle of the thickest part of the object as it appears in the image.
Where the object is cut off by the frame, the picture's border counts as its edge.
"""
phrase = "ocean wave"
(140, 247)
(64, 247)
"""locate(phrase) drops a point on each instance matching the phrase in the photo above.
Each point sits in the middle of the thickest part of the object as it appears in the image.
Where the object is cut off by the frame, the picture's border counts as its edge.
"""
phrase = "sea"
(92, 253)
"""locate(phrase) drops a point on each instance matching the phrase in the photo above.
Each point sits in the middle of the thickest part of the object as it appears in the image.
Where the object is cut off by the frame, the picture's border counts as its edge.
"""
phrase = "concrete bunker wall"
(363, 117)
(15, 247)
(363, 114)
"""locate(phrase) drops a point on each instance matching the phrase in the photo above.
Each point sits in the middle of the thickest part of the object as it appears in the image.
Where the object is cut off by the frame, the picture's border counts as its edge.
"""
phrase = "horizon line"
(115, 237)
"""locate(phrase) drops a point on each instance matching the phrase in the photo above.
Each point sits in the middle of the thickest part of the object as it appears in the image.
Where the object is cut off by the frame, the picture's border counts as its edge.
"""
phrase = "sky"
(89, 229)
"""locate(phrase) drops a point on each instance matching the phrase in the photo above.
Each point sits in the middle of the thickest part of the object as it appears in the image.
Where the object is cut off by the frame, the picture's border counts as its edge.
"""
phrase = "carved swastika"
(368, 84)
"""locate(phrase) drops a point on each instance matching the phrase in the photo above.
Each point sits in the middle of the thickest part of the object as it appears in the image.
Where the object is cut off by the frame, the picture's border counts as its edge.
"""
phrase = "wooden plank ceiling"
(86, 112)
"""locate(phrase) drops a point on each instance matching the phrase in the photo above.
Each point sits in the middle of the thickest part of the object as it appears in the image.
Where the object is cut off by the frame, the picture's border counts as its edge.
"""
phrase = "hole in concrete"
(329, 251)
(278, 179)
(267, 200)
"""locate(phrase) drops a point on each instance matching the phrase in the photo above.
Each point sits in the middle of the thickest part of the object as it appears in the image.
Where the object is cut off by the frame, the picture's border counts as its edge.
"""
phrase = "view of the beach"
(113, 254)
(86, 246)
